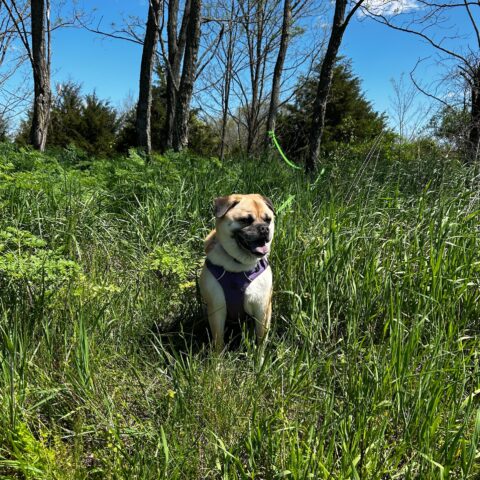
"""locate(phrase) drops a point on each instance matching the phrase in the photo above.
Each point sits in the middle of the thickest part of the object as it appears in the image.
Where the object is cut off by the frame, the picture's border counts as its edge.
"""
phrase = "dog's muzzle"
(254, 239)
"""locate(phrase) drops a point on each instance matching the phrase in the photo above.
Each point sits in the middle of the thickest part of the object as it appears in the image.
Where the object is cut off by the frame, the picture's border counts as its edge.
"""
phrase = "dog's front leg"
(217, 315)
(212, 294)
(263, 316)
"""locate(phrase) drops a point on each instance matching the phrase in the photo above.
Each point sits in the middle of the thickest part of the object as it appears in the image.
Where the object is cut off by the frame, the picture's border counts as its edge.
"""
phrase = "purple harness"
(234, 285)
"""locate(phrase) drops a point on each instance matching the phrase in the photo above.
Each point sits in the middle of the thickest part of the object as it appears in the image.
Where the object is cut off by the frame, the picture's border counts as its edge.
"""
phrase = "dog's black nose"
(263, 229)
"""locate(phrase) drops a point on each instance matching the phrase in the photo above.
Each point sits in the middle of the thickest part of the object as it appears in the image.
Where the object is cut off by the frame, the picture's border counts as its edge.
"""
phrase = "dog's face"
(245, 225)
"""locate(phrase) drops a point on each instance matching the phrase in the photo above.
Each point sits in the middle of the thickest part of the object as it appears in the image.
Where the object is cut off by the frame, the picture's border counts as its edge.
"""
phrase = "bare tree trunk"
(324, 83)
(277, 72)
(340, 23)
(40, 13)
(184, 96)
(474, 134)
(256, 59)
(176, 48)
(144, 105)
(227, 81)
(172, 77)
(226, 97)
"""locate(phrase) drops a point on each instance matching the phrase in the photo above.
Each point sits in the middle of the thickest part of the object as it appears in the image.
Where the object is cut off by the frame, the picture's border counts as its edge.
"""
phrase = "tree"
(436, 24)
(184, 95)
(86, 121)
(340, 22)
(179, 60)
(349, 117)
(277, 73)
(262, 50)
(143, 114)
(227, 62)
(99, 126)
(66, 122)
(41, 53)
(36, 42)
(451, 126)
(405, 110)
(127, 133)
(3, 129)
(259, 24)
(202, 138)
(12, 59)
(173, 60)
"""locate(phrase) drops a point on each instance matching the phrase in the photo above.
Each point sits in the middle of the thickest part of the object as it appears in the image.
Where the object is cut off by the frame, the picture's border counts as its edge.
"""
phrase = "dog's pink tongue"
(263, 250)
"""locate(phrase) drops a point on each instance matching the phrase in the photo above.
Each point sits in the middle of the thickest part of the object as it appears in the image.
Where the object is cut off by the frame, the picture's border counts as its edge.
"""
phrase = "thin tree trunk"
(226, 98)
(176, 49)
(474, 134)
(277, 72)
(144, 105)
(255, 67)
(184, 96)
(227, 82)
(170, 114)
(340, 23)
(172, 80)
(40, 15)
(324, 83)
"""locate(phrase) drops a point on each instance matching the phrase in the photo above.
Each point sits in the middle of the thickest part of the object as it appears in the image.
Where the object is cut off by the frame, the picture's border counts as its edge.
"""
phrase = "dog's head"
(245, 225)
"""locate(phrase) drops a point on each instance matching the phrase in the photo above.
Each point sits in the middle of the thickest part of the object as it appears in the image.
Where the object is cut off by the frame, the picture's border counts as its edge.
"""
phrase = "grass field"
(372, 368)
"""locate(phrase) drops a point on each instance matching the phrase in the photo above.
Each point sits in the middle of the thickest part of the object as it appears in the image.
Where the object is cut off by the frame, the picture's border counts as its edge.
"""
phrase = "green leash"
(271, 134)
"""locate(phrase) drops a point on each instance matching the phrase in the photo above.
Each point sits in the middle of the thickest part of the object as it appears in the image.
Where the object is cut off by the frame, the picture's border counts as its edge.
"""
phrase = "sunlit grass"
(371, 370)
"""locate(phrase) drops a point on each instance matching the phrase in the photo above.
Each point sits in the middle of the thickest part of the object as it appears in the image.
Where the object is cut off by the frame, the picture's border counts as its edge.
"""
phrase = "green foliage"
(89, 126)
(24, 256)
(202, 138)
(66, 122)
(28, 266)
(81, 121)
(99, 126)
(371, 370)
(171, 262)
(451, 126)
(3, 129)
(127, 136)
(31, 458)
(350, 118)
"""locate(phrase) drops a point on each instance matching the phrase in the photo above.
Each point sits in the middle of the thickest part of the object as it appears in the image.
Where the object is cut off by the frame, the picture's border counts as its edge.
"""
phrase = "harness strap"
(234, 285)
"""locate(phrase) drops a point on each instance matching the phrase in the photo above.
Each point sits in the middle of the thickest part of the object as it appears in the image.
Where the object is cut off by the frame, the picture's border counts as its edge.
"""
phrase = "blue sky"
(110, 67)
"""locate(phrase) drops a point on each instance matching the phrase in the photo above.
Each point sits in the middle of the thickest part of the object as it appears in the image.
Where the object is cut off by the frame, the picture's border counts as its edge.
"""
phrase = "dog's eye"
(267, 219)
(247, 220)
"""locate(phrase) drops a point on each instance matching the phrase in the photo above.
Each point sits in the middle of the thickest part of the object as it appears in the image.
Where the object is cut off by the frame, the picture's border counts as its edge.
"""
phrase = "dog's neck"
(219, 256)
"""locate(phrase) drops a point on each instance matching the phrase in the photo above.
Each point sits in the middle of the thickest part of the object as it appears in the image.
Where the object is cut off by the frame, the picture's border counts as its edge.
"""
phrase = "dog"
(236, 279)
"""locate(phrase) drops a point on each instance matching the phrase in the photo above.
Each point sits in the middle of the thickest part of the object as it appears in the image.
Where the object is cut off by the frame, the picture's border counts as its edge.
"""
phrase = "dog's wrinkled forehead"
(253, 204)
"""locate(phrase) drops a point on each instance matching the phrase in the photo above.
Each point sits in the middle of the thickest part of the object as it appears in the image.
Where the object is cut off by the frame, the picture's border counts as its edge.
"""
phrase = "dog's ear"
(269, 204)
(222, 205)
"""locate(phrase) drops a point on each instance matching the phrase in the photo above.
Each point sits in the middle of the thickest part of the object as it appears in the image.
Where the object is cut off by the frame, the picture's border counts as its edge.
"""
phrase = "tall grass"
(371, 370)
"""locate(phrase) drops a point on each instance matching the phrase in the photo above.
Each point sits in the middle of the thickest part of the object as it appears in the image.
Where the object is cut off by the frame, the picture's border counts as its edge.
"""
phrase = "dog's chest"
(240, 292)
(257, 293)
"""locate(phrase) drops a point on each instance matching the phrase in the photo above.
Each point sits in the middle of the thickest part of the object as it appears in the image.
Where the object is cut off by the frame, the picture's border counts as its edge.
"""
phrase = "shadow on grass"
(189, 334)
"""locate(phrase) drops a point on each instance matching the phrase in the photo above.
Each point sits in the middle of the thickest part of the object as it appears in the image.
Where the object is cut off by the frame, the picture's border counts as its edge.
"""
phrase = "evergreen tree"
(202, 139)
(127, 135)
(86, 121)
(66, 117)
(99, 126)
(349, 116)
(3, 129)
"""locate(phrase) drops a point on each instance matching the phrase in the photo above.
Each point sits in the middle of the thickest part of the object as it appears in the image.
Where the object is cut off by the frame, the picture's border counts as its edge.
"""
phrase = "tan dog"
(236, 278)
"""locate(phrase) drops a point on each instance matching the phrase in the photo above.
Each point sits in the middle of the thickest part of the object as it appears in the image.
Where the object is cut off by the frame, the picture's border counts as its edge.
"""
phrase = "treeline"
(96, 127)
(248, 66)
(92, 124)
